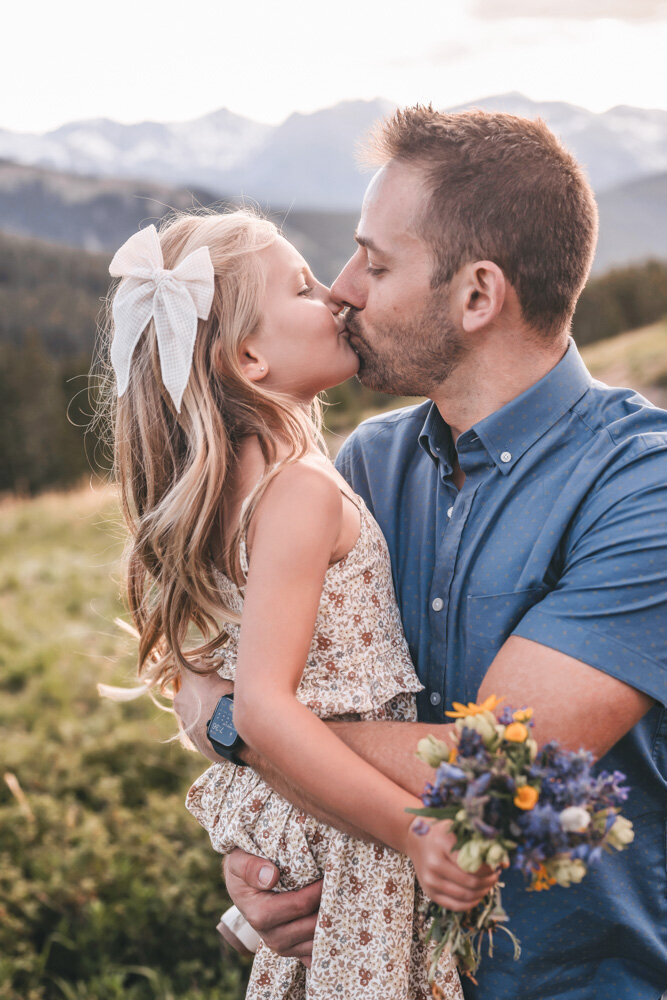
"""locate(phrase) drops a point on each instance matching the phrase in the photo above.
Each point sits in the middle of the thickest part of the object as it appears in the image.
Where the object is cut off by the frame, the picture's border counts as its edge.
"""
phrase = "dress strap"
(352, 497)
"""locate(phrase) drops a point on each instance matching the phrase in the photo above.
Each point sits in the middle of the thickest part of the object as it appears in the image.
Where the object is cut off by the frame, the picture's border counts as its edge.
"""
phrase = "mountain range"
(98, 214)
(309, 160)
(78, 184)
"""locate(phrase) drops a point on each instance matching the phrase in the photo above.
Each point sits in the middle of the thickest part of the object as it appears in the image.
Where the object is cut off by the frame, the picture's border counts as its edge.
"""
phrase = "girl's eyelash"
(374, 270)
(306, 291)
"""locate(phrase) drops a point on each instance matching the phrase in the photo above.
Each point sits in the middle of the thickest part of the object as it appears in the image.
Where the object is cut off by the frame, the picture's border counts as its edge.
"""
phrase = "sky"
(133, 60)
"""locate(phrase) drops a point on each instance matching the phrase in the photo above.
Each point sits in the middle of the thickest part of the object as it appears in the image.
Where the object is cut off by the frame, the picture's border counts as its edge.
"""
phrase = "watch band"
(234, 920)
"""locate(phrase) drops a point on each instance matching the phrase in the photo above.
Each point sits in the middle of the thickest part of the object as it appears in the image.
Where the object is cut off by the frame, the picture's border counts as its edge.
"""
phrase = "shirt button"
(505, 456)
(450, 511)
(437, 604)
(435, 698)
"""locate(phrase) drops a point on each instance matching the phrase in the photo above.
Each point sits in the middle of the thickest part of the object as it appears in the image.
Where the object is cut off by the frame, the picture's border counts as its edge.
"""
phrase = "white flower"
(483, 723)
(471, 856)
(575, 819)
(621, 833)
(432, 751)
(565, 870)
(497, 855)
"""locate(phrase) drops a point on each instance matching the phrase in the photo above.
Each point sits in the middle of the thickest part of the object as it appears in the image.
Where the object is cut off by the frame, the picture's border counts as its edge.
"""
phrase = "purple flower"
(449, 773)
(420, 827)
(478, 786)
(471, 745)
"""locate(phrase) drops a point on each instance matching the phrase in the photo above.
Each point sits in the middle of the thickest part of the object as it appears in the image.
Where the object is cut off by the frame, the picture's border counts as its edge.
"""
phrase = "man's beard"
(414, 358)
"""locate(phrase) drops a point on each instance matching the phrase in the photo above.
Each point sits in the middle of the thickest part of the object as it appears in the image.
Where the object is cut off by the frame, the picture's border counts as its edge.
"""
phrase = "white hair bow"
(174, 299)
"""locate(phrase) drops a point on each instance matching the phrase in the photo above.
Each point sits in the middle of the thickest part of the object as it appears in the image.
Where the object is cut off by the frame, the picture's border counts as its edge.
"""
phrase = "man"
(526, 517)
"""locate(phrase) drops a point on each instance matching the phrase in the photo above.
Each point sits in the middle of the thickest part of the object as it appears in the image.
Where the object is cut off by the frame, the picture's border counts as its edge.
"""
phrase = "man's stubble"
(411, 358)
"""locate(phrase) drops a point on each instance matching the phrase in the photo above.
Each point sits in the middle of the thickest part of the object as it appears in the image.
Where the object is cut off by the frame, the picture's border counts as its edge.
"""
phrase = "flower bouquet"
(510, 803)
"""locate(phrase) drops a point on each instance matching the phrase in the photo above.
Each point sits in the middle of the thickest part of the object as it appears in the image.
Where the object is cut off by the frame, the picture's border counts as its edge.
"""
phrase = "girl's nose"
(334, 304)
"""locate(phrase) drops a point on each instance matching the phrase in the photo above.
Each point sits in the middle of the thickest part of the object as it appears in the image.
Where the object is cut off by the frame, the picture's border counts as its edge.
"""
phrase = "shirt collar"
(509, 432)
(515, 427)
(436, 439)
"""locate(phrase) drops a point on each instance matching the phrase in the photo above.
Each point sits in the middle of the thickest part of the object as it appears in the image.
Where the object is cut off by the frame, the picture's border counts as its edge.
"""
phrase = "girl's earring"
(262, 368)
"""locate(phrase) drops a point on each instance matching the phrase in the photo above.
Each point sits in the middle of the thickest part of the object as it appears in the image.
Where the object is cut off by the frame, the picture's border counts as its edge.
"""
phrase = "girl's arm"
(296, 528)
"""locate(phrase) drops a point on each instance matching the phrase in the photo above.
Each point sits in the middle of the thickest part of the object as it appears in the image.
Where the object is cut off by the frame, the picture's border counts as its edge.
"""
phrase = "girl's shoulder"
(299, 485)
(305, 500)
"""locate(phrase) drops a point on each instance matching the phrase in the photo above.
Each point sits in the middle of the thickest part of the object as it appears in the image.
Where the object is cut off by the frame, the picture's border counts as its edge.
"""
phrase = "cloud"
(580, 10)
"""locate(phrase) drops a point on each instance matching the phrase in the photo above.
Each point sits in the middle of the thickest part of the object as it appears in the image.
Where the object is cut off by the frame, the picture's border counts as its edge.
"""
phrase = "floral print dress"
(369, 940)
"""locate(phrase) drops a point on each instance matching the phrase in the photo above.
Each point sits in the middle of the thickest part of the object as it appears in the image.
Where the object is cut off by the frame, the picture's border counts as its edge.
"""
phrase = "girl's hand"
(439, 875)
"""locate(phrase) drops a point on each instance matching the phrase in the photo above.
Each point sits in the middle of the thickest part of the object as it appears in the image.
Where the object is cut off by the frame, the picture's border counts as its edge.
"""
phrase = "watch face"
(221, 728)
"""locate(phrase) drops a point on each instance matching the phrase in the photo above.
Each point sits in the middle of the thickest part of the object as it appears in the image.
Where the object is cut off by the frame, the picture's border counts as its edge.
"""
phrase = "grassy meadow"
(108, 888)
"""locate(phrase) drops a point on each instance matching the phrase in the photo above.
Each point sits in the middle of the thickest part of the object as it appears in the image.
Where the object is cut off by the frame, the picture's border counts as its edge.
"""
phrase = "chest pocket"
(491, 618)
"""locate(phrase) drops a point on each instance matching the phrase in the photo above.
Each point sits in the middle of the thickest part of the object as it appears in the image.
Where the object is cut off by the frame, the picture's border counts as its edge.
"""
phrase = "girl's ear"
(253, 363)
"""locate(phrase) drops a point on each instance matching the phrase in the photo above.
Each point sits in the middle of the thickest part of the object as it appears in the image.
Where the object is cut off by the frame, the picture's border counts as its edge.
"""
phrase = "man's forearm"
(279, 783)
(195, 703)
(391, 748)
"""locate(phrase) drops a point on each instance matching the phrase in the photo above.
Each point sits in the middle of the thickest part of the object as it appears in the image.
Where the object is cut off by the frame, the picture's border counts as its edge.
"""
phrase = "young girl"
(243, 532)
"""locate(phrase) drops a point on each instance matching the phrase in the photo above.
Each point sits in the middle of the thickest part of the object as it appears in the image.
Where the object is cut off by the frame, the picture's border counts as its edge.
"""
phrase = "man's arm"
(574, 703)
(194, 705)
(578, 705)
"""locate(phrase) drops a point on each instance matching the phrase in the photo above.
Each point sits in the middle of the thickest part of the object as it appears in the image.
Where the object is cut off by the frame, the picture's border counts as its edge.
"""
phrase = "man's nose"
(347, 289)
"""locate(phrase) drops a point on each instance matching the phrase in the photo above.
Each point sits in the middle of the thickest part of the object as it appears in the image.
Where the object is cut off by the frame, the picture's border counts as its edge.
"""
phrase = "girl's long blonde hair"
(174, 469)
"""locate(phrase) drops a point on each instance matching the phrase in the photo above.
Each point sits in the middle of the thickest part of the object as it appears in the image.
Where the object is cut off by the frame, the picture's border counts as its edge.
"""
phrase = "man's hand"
(194, 705)
(284, 920)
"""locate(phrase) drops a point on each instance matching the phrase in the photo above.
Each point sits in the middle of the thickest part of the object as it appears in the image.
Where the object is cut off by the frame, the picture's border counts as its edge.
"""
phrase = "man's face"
(399, 326)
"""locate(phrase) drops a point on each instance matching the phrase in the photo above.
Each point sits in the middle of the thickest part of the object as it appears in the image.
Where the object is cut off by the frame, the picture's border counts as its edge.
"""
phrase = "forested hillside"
(52, 297)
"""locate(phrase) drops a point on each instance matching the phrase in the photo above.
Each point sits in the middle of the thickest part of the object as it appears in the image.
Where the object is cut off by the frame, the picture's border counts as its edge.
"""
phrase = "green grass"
(108, 887)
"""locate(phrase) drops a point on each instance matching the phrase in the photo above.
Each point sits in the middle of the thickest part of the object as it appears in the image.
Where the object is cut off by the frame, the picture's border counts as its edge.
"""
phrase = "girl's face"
(301, 347)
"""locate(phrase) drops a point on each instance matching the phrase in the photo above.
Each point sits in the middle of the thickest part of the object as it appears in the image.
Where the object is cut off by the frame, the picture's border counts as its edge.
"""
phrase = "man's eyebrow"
(368, 244)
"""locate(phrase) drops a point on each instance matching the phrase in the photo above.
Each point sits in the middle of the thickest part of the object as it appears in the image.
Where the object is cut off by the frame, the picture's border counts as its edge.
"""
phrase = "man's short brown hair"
(502, 188)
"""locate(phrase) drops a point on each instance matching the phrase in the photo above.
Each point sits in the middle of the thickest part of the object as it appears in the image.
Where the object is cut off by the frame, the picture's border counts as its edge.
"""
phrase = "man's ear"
(253, 364)
(481, 295)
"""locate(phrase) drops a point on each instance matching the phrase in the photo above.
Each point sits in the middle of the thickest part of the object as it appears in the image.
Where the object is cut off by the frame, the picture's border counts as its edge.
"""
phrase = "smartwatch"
(221, 732)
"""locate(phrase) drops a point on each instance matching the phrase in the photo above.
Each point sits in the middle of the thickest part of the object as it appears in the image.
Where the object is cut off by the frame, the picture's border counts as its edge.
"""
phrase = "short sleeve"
(344, 461)
(609, 607)
(353, 460)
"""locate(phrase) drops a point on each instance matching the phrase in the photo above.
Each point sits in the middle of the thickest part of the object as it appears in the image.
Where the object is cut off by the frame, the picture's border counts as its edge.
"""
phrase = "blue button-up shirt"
(559, 535)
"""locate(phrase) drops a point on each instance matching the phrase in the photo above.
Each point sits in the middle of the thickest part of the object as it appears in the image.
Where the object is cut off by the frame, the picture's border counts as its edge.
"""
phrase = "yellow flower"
(526, 797)
(523, 715)
(453, 754)
(516, 732)
(542, 879)
(462, 711)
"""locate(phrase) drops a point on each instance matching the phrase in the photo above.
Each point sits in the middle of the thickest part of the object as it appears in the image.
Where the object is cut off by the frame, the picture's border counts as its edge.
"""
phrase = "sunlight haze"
(264, 60)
